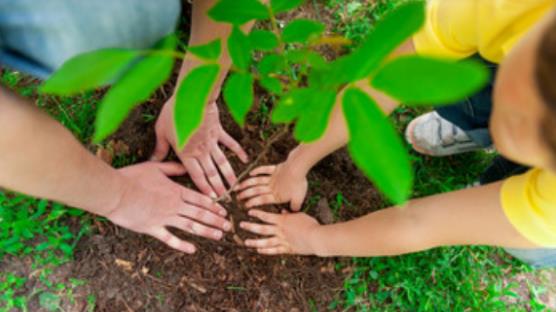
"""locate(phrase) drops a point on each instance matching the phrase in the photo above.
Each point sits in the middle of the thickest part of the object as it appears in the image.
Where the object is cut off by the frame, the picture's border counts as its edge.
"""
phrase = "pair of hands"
(152, 202)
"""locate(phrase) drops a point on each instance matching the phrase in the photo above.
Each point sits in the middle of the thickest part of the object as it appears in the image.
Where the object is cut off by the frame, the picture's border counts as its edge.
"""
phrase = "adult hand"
(274, 185)
(202, 155)
(295, 233)
(151, 202)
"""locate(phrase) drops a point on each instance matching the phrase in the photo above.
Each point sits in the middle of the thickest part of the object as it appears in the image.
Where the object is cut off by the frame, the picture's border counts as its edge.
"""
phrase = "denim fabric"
(472, 115)
(36, 37)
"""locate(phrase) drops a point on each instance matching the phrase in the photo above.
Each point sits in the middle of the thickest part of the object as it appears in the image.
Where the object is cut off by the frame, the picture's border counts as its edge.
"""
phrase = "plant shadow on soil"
(128, 271)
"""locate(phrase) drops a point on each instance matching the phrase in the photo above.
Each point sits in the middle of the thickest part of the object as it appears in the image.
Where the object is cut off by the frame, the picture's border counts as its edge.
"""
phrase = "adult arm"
(39, 157)
(202, 155)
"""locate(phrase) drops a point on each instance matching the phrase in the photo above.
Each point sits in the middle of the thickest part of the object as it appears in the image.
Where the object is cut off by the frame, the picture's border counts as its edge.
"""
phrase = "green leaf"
(191, 100)
(272, 85)
(312, 123)
(279, 6)
(375, 146)
(301, 30)
(308, 57)
(270, 63)
(210, 51)
(238, 94)
(311, 108)
(88, 71)
(289, 107)
(389, 33)
(238, 12)
(135, 86)
(423, 80)
(263, 40)
(239, 49)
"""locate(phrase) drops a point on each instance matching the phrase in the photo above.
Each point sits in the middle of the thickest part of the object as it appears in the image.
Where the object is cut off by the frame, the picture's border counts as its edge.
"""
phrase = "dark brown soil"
(126, 271)
(132, 272)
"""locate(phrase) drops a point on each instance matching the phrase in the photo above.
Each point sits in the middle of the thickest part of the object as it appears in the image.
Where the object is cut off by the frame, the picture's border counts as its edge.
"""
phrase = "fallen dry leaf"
(124, 264)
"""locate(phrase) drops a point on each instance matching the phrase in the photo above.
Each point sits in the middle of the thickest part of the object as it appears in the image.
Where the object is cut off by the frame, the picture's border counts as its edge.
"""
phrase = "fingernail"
(217, 234)
(213, 195)
(190, 249)
(223, 212)
(227, 226)
(242, 225)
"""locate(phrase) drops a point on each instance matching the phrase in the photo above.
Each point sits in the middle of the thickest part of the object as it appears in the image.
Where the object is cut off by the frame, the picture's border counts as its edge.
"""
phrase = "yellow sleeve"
(449, 30)
(529, 202)
(458, 29)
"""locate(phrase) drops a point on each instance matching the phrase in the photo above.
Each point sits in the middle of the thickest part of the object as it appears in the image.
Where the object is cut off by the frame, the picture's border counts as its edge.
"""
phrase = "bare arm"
(467, 217)
(287, 182)
(202, 156)
(39, 157)
(305, 156)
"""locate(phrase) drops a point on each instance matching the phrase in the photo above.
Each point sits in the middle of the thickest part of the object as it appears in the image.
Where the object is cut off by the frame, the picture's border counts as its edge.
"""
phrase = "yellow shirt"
(461, 28)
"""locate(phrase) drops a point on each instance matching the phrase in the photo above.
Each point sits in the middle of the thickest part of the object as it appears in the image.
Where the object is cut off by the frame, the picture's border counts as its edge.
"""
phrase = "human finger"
(271, 218)
(195, 228)
(171, 168)
(264, 242)
(203, 201)
(259, 228)
(266, 199)
(224, 165)
(252, 182)
(263, 170)
(255, 191)
(212, 174)
(162, 146)
(234, 146)
(273, 250)
(198, 176)
(172, 241)
(205, 216)
(297, 203)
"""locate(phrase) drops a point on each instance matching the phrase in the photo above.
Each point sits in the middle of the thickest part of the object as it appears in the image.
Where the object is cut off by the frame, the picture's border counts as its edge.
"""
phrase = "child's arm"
(468, 217)
(286, 182)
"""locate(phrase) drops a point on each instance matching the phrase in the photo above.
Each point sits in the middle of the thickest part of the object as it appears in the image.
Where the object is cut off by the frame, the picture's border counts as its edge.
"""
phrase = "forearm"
(41, 158)
(305, 156)
(336, 135)
(203, 31)
(467, 217)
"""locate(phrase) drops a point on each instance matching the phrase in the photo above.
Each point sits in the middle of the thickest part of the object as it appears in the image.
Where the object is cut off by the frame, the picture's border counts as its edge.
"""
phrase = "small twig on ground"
(277, 136)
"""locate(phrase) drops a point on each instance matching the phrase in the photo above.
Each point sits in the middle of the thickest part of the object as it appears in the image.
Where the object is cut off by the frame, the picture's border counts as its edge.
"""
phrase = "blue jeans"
(37, 36)
(473, 115)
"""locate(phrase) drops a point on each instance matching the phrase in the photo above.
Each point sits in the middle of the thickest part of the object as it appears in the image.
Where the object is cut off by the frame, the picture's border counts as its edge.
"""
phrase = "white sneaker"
(433, 135)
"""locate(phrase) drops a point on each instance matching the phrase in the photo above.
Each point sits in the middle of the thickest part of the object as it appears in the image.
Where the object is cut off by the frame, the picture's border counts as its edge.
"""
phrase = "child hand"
(294, 233)
(274, 185)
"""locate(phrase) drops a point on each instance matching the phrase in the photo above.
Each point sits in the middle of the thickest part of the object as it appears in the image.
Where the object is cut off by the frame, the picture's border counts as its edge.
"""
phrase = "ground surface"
(106, 268)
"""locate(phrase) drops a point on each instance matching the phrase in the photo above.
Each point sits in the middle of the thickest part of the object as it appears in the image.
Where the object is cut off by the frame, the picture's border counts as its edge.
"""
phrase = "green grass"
(43, 233)
(443, 279)
(355, 18)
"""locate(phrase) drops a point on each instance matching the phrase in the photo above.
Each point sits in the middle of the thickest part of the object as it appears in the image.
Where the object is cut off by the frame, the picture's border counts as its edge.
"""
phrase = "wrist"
(317, 241)
(296, 164)
(106, 206)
